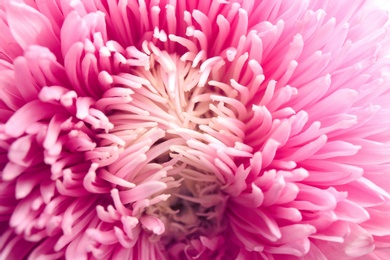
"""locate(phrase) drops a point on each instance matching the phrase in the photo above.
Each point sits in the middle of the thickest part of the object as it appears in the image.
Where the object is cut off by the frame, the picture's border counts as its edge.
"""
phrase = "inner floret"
(164, 125)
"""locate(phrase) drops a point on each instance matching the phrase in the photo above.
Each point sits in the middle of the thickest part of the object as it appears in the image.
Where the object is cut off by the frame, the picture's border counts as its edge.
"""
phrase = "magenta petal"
(153, 224)
(19, 150)
(295, 232)
(253, 199)
(378, 223)
(142, 191)
(194, 129)
(30, 27)
(11, 171)
(349, 211)
(359, 242)
(28, 114)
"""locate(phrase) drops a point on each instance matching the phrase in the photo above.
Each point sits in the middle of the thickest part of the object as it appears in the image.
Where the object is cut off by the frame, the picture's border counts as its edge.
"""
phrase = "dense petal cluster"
(180, 129)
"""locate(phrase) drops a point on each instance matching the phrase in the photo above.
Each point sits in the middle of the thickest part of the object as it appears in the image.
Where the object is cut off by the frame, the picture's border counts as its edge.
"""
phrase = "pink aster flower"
(185, 129)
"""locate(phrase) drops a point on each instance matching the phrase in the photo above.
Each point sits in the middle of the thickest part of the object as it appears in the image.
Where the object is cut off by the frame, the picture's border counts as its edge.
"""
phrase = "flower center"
(164, 121)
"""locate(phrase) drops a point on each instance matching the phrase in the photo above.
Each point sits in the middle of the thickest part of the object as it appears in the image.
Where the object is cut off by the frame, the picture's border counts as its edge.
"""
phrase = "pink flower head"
(180, 129)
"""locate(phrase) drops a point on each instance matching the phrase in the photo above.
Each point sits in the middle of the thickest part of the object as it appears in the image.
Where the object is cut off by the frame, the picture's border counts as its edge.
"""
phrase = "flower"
(194, 129)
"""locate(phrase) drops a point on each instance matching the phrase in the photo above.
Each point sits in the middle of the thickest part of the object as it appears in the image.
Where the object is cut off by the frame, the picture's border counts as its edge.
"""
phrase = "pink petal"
(30, 27)
(142, 191)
